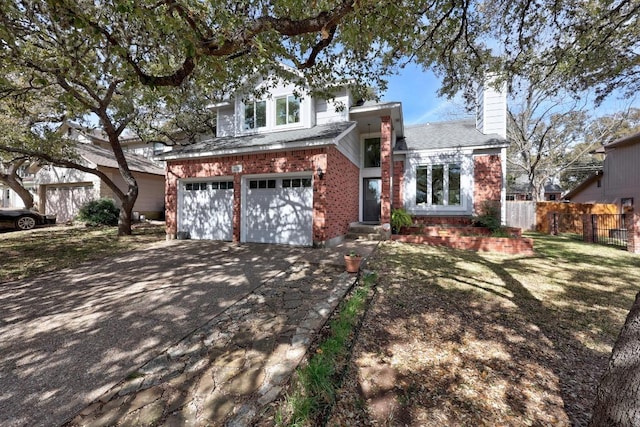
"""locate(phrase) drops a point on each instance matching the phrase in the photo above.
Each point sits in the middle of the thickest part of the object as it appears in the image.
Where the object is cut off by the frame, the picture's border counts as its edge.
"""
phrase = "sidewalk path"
(185, 333)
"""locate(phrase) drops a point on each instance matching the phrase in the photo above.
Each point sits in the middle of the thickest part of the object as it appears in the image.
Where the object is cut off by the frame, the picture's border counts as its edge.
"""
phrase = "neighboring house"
(298, 171)
(62, 191)
(521, 190)
(618, 182)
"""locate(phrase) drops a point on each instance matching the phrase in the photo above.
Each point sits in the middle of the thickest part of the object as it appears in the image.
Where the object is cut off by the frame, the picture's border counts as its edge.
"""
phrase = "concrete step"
(365, 236)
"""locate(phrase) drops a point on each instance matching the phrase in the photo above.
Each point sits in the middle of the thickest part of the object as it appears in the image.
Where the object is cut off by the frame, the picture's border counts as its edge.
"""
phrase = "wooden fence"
(536, 215)
(521, 215)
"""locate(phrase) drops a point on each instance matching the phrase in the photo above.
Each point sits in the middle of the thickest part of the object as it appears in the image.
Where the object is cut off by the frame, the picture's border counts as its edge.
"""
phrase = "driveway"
(68, 337)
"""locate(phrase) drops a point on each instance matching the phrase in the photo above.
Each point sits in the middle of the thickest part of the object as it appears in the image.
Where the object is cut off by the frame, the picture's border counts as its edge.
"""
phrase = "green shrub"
(400, 218)
(99, 212)
(489, 216)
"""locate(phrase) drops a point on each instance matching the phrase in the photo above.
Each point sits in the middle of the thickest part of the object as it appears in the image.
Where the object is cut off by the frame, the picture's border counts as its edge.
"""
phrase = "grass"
(313, 386)
(28, 253)
(464, 338)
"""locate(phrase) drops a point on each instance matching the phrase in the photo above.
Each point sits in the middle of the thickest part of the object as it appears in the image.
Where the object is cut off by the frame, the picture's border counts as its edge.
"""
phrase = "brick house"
(299, 170)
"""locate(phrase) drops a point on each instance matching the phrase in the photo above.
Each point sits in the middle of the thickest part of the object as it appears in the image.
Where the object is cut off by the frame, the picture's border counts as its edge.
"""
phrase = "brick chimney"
(491, 109)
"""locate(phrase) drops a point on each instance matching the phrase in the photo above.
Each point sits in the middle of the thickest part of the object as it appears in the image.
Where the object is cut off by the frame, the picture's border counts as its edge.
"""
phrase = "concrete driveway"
(69, 336)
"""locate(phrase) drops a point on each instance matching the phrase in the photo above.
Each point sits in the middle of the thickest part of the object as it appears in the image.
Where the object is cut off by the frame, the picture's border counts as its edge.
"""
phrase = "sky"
(417, 90)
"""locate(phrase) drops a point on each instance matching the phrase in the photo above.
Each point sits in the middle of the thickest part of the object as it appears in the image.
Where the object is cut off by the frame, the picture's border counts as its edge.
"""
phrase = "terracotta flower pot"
(352, 263)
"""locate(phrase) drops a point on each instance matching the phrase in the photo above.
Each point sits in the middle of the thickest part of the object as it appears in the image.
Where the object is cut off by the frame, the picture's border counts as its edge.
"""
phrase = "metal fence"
(608, 229)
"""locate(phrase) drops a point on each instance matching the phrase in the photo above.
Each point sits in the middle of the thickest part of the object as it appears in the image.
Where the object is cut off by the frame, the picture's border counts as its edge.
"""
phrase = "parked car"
(23, 219)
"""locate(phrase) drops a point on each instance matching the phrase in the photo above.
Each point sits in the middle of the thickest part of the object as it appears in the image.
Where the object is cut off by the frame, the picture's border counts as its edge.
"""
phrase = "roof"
(627, 140)
(584, 184)
(105, 158)
(440, 135)
(315, 136)
(524, 188)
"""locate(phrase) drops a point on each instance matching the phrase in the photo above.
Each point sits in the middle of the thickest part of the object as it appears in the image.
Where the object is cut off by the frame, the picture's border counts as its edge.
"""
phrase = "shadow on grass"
(504, 339)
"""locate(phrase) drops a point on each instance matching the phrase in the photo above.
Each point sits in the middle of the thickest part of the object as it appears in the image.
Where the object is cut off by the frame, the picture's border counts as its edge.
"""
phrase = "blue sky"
(417, 90)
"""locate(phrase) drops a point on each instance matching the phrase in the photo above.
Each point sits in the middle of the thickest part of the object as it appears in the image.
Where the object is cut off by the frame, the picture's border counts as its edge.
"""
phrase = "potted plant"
(352, 261)
(400, 218)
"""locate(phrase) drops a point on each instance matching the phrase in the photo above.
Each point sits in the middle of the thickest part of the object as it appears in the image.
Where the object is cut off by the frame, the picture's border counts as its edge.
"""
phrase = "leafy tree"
(52, 54)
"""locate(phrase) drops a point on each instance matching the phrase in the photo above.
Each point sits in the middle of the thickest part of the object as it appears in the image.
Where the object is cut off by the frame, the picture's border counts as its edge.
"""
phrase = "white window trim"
(286, 125)
(244, 116)
(416, 160)
(270, 111)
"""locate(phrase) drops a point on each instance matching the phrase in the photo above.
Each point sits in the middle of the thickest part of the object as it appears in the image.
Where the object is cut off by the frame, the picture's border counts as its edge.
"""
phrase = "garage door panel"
(65, 202)
(279, 215)
(207, 213)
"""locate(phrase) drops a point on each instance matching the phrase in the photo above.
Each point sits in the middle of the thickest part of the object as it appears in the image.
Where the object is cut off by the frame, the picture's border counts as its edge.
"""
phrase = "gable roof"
(451, 134)
(583, 185)
(298, 138)
(102, 157)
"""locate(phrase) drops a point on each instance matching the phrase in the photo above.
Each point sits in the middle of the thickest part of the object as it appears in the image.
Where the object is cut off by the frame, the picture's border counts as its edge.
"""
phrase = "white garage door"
(65, 201)
(206, 210)
(279, 210)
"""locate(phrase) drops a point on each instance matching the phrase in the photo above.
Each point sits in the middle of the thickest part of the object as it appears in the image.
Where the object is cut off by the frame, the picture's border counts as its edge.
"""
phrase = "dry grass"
(27, 253)
(459, 338)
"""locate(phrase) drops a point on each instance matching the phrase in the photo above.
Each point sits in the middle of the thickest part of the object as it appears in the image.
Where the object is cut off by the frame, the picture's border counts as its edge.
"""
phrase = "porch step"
(359, 231)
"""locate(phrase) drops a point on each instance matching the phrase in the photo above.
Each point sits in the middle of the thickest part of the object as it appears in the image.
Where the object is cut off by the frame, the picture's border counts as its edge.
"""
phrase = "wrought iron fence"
(607, 229)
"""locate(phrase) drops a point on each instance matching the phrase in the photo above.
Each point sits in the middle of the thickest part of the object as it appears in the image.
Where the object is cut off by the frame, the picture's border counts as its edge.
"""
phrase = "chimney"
(491, 109)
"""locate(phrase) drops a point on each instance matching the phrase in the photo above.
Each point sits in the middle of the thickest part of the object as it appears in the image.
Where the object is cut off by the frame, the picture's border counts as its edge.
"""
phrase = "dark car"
(22, 219)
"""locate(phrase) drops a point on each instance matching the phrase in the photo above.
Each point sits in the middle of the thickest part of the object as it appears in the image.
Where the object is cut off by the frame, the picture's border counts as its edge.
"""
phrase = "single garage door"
(206, 210)
(65, 201)
(279, 210)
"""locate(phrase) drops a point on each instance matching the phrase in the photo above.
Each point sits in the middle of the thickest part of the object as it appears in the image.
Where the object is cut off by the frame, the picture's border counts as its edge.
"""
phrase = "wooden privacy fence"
(537, 215)
(521, 215)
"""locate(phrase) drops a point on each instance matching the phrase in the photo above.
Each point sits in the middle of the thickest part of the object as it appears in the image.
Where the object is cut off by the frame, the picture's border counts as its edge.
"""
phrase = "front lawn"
(27, 253)
(462, 338)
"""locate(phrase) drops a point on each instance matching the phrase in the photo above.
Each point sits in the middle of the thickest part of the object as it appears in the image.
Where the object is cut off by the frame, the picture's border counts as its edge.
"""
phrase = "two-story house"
(298, 170)
(619, 181)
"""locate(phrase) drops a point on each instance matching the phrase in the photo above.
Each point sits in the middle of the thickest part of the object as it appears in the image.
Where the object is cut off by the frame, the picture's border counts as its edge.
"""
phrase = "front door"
(371, 199)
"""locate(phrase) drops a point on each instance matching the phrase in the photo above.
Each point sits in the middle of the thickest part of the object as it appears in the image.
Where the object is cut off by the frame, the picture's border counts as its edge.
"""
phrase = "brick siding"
(385, 169)
(342, 194)
(398, 184)
(487, 178)
(329, 204)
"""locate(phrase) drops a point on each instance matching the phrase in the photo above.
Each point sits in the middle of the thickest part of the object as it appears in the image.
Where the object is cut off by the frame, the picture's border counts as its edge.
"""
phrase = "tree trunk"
(618, 397)
(125, 217)
(13, 181)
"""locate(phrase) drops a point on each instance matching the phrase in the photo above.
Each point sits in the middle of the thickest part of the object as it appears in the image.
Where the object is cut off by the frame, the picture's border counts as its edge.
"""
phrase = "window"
(296, 183)
(262, 183)
(255, 115)
(287, 110)
(222, 185)
(372, 153)
(195, 186)
(438, 185)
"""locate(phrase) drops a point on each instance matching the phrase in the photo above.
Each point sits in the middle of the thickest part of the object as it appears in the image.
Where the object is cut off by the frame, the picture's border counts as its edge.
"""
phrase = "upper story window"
(287, 110)
(255, 115)
(372, 153)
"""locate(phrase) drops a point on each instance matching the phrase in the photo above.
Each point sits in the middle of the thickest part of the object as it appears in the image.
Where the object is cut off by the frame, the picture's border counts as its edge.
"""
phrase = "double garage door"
(276, 209)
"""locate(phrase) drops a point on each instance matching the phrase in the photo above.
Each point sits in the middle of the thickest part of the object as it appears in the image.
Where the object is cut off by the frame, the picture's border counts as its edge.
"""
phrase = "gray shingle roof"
(440, 135)
(103, 157)
(317, 134)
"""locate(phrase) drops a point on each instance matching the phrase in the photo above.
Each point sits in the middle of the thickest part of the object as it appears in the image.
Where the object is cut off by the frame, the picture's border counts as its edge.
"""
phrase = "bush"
(489, 216)
(99, 212)
(400, 218)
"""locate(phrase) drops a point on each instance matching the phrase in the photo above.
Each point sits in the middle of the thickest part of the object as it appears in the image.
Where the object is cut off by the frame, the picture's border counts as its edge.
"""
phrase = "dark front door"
(371, 199)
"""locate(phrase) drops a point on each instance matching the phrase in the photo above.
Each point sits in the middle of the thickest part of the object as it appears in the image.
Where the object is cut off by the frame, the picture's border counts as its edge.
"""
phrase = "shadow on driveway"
(69, 336)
